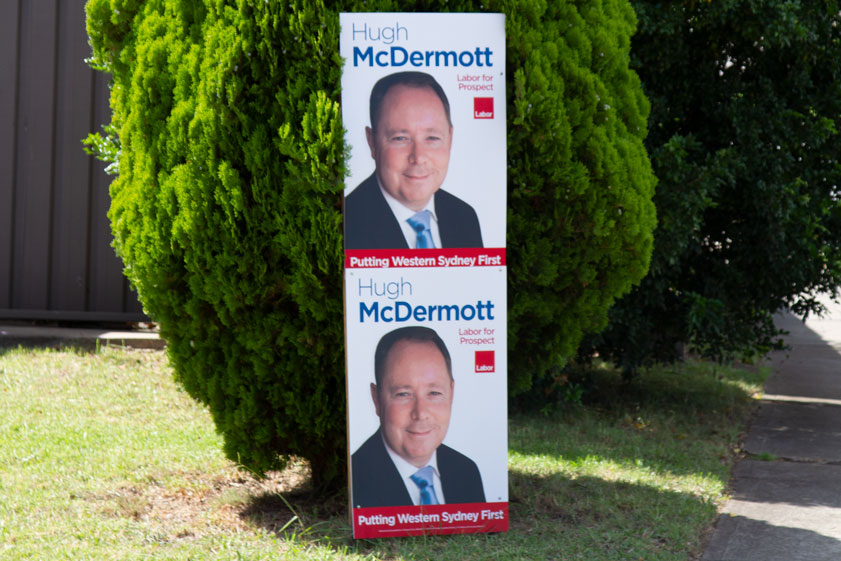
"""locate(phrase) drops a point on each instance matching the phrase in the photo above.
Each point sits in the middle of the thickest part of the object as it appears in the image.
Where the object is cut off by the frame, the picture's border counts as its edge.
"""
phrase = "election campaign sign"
(423, 104)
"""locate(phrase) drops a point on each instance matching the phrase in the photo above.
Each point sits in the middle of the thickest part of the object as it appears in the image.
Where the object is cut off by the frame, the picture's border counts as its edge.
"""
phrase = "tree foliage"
(745, 141)
(227, 205)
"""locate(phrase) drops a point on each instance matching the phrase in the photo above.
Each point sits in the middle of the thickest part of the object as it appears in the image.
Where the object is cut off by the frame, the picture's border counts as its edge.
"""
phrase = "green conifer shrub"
(226, 209)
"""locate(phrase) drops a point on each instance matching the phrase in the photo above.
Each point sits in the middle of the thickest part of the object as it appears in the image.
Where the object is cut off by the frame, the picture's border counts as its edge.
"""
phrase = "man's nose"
(417, 153)
(420, 409)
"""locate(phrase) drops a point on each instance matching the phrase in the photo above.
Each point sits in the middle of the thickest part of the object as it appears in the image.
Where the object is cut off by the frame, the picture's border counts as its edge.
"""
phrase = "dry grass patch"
(197, 504)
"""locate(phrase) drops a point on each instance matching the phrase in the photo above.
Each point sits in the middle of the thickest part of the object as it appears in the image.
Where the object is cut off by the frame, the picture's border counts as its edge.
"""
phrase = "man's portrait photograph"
(417, 179)
(405, 461)
(401, 205)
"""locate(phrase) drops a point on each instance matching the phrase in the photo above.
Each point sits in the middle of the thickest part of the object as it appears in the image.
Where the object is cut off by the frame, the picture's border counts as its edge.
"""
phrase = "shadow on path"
(768, 542)
(789, 509)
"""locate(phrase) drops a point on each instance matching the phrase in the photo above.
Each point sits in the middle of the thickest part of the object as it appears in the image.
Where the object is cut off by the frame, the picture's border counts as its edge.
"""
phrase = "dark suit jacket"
(376, 481)
(370, 224)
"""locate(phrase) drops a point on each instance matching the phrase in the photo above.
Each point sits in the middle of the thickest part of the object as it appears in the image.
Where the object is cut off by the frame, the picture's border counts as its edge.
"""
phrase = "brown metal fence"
(56, 260)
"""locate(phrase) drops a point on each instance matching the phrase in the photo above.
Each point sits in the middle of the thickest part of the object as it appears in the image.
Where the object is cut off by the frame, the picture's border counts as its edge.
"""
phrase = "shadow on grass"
(12, 344)
(548, 515)
(79, 347)
(296, 511)
(661, 424)
(670, 422)
(66, 335)
(687, 387)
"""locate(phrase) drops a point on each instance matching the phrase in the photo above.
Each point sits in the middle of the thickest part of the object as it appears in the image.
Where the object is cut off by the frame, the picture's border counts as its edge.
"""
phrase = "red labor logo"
(483, 108)
(485, 361)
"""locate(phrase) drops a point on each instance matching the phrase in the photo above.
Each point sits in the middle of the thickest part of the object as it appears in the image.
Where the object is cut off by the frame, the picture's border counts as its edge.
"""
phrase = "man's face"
(414, 401)
(411, 145)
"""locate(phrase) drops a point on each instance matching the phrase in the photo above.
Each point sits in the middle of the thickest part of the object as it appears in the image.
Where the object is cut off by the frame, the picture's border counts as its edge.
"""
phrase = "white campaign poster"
(423, 104)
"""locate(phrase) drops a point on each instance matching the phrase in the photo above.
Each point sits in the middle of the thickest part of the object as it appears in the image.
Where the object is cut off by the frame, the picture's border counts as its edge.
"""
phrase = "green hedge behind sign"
(226, 208)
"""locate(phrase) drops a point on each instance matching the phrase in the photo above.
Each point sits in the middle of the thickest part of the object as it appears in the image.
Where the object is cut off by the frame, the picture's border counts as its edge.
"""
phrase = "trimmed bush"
(227, 205)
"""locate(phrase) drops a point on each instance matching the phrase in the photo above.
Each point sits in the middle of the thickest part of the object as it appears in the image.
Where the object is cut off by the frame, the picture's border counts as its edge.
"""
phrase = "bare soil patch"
(232, 501)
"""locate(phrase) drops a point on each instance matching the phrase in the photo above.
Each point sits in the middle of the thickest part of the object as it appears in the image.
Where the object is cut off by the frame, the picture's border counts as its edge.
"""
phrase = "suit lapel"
(384, 220)
(393, 490)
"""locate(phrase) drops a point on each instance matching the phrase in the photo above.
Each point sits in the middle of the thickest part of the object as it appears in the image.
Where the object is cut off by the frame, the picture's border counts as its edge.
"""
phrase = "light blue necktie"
(420, 222)
(423, 479)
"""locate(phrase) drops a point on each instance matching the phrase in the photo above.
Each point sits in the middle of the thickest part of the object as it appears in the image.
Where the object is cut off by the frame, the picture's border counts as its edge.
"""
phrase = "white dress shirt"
(403, 213)
(406, 471)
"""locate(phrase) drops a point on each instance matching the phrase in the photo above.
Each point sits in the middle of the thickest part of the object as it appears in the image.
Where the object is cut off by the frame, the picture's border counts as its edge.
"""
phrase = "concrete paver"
(804, 432)
(740, 538)
(781, 510)
(810, 368)
(789, 509)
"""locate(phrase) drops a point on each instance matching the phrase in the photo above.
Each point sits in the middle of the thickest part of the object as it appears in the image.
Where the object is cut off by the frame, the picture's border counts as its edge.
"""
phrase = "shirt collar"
(405, 468)
(402, 212)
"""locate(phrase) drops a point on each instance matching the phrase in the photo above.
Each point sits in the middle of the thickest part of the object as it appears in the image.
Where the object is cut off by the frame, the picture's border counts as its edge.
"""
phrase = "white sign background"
(479, 419)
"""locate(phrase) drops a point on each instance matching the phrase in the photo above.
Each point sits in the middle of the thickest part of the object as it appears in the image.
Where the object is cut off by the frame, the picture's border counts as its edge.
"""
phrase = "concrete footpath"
(786, 496)
(15, 334)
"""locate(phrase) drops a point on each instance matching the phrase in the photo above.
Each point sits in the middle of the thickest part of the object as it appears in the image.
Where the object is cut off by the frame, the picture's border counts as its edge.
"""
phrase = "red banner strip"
(462, 518)
(386, 258)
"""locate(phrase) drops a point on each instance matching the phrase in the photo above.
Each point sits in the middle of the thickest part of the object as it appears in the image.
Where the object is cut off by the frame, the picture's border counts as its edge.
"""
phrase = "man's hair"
(409, 79)
(414, 333)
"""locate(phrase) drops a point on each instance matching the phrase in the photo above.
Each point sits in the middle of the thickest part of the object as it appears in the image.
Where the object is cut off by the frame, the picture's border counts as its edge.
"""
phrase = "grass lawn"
(103, 457)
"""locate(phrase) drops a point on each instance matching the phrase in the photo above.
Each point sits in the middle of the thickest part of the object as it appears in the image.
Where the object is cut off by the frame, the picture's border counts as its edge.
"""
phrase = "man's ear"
(375, 395)
(369, 136)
